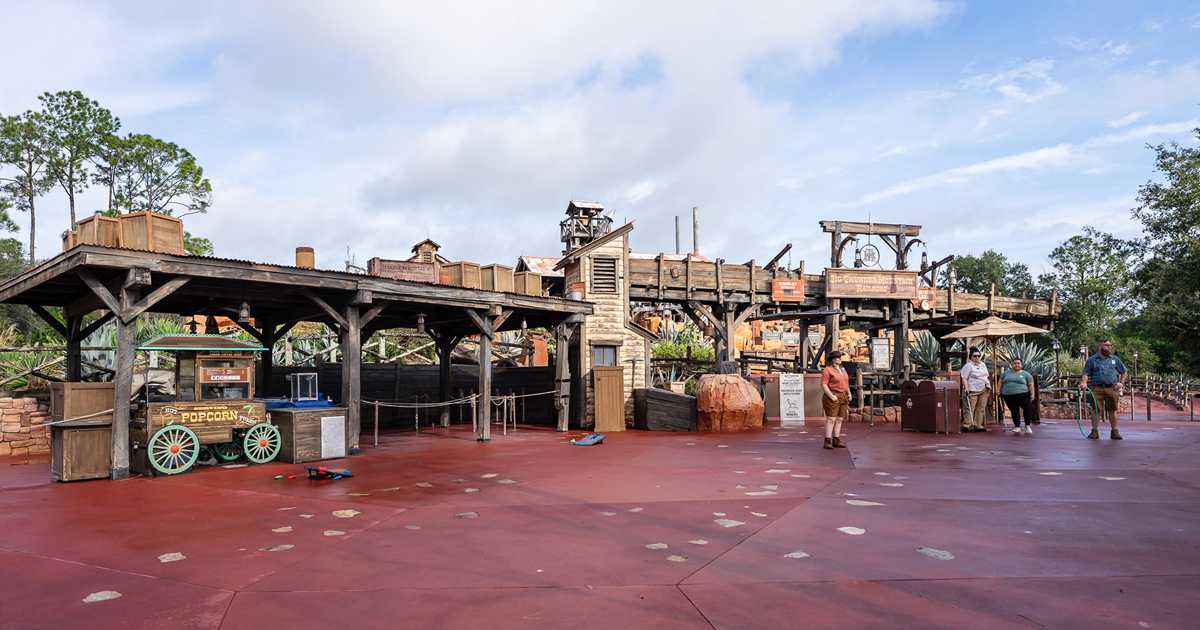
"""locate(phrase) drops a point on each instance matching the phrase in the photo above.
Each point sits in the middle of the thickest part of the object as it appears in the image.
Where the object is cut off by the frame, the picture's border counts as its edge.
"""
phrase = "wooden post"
(858, 385)
(484, 409)
(900, 340)
(74, 349)
(729, 323)
(445, 348)
(562, 374)
(122, 384)
(267, 358)
(805, 352)
(351, 376)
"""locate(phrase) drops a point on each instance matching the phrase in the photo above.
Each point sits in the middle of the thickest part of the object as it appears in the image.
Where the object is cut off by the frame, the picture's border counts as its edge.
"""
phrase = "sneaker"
(1016, 430)
(1028, 430)
(1094, 435)
(1115, 435)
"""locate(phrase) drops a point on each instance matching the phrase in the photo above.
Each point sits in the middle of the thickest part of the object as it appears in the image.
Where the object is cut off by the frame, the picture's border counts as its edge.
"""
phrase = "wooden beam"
(100, 291)
(483, 325)
(95, 325)
(775, 260)
(122, 386)
(499, 320)
(154, 297)
(371, 314)
(50, 320)
(324, 306)
(854, 227)
(261, 336)
(136, 277)
(702, 311)
(720, 286)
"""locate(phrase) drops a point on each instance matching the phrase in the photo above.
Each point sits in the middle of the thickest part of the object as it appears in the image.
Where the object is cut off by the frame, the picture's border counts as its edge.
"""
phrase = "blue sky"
(371, 126)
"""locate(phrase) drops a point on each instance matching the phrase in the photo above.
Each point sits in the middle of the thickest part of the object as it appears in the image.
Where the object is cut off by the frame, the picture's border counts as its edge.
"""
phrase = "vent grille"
(604, 275)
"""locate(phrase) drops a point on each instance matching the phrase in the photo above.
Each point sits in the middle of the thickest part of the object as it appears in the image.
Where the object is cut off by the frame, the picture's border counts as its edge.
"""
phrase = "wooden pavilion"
(94, 285)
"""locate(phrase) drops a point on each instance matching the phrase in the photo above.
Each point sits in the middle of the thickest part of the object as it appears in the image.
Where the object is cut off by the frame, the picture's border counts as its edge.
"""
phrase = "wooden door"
(608, 385)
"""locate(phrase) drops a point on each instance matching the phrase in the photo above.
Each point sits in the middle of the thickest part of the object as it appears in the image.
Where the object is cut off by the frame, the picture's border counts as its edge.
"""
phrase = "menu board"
(224, 375)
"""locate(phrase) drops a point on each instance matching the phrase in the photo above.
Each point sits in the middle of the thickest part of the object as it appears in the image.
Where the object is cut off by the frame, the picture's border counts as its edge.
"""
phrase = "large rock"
(727, 403)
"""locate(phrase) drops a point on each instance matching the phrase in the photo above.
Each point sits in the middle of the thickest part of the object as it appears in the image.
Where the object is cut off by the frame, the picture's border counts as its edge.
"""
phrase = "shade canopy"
(202, 343)
(993, 328)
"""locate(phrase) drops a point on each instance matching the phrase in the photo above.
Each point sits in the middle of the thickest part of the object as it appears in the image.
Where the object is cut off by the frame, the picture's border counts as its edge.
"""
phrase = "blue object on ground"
(590, 439)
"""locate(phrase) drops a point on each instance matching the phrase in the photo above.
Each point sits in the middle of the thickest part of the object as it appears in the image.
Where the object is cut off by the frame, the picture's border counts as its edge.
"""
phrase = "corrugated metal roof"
(543, 265)
(680, 257)
(175, 343)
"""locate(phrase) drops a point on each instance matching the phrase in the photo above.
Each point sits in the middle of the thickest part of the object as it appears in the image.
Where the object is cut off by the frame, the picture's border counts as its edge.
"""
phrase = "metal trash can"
(930, 406)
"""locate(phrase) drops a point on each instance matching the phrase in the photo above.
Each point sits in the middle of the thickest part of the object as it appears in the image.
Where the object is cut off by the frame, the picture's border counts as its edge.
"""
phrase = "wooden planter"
(496, 278)
(462, 274)
(150, 231)
(527, 282)
(663, 410)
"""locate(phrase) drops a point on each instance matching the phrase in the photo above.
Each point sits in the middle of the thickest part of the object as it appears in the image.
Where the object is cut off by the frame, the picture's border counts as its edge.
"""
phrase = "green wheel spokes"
(261, 443)
(227, 451)
(173, 449)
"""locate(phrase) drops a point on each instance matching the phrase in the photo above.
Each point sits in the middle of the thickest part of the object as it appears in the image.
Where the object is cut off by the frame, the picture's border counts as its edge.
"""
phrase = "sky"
(365, 127)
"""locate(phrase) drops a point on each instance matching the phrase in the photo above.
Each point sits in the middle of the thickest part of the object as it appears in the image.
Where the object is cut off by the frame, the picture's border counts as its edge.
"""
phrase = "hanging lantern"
(421, 323)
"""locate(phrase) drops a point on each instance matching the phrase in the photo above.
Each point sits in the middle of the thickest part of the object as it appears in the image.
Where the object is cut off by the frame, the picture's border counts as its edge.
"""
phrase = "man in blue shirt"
(1104, 372)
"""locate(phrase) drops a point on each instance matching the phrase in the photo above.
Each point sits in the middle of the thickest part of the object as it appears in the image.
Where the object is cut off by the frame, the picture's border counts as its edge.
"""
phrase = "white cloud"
(1030, 160)
(1126, 120)
(1026, 83)
(1118, 49)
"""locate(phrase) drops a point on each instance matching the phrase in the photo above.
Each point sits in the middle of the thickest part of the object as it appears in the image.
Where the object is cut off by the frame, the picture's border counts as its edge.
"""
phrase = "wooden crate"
(462, 274)
(496, 278)
(153, 232)
(300, 433)
(80, 450)
(98, 230)
(527, 282)
(663, 410)
(73, 400)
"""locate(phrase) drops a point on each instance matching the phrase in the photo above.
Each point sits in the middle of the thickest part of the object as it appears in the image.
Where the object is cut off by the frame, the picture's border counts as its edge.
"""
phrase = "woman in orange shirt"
(836, 400)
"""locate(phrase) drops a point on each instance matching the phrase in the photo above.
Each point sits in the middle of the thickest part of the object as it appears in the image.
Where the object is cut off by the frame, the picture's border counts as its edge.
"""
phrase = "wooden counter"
(311, 434)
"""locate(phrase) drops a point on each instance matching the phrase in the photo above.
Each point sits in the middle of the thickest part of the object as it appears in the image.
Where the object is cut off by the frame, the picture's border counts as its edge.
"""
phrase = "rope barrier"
(85, 417)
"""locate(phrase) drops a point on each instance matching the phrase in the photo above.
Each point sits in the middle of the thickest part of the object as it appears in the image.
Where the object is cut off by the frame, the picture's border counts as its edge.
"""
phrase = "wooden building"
(610, 353)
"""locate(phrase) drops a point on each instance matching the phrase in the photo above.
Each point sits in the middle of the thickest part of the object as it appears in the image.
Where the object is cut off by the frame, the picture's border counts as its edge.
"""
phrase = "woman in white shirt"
(977, 387)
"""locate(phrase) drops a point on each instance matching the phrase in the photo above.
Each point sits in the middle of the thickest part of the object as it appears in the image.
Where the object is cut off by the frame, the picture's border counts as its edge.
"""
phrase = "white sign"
(791, 399)
(881, 353)
(333, 437)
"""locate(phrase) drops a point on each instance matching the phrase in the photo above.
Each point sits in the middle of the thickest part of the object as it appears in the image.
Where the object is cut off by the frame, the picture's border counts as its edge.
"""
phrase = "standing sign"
(791, 399)
(881, 353)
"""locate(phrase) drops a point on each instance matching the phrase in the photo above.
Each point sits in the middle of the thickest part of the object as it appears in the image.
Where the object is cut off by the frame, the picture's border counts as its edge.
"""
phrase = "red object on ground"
(558, 537)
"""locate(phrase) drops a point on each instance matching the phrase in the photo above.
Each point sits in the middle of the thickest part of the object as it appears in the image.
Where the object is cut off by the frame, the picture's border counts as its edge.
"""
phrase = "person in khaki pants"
(1104, 372)
(977, 387)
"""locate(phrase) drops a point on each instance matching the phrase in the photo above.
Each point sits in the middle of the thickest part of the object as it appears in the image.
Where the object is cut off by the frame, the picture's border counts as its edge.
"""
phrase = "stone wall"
(22, 427)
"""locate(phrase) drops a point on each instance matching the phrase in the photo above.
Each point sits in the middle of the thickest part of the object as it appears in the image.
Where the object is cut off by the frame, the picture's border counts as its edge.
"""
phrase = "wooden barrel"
(728, 403)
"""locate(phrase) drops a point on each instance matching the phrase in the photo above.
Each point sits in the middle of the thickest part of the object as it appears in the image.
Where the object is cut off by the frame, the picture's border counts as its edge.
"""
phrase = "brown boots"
(1115, 435)
(834, 443)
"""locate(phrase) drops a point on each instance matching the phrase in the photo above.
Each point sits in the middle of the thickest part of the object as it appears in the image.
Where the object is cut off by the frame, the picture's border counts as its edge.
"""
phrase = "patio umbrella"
(993, 329)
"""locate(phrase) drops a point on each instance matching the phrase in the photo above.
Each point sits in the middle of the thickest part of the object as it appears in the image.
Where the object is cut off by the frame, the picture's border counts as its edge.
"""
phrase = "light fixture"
(210, 326)
(525, 329)
(1057, 346)
(193, 325)
(421, 323)
(495, 311)
(924, 260)
(858, 261)
(243, 316)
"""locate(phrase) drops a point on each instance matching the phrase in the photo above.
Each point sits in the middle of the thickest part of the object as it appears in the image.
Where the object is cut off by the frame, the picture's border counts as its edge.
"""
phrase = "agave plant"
(925, 351)
(1036, 360)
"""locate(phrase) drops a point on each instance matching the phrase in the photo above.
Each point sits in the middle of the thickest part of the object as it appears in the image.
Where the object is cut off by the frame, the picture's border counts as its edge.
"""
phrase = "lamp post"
(1056, 346)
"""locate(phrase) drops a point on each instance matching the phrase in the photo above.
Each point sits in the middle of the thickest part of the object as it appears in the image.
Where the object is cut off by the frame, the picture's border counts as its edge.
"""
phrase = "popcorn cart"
(212, 415)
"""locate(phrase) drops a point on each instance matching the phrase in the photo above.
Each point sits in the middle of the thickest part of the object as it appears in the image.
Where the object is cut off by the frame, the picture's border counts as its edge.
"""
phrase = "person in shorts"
(835, 384)
(1104, 373)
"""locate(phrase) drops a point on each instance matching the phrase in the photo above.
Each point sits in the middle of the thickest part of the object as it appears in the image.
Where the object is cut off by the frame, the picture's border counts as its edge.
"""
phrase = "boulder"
(728, 403)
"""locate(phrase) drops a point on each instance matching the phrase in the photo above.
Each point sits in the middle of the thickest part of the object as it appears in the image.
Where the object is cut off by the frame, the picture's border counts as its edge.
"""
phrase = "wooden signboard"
(926, 299)
(235, 413)
(224, 375)
(403, 270)
(871, 283)
(787, 290)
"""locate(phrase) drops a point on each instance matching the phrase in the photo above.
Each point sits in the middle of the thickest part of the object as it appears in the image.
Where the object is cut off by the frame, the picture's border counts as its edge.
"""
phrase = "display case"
(303, 386)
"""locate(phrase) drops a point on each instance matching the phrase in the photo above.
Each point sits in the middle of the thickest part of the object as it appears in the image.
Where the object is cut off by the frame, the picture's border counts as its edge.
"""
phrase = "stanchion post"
(376, 423)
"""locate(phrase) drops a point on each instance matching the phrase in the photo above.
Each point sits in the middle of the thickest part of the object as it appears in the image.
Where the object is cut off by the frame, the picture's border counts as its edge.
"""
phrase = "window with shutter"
(604, 275)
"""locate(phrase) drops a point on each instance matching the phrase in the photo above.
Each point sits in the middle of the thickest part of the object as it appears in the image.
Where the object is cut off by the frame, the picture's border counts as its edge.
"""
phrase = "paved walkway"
(757, 530)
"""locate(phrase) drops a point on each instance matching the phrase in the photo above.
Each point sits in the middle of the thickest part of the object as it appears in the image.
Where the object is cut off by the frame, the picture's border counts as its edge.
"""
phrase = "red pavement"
(972, 531)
